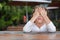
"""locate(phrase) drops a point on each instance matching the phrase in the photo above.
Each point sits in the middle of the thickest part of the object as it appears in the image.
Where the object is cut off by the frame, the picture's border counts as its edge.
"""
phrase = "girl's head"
(39, 19)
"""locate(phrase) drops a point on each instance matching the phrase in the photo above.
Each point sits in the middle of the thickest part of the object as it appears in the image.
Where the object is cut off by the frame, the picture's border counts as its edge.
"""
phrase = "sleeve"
(51, 27)
(28, 27)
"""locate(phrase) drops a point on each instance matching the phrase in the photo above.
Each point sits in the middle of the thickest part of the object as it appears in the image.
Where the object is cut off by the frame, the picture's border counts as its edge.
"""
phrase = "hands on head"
(40, 11)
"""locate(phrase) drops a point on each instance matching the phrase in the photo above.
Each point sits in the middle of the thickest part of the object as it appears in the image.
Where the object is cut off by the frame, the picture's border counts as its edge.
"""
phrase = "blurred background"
(15, 14)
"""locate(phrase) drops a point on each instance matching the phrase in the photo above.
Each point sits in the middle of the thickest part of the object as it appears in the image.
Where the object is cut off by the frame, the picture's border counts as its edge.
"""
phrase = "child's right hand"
(36, 13)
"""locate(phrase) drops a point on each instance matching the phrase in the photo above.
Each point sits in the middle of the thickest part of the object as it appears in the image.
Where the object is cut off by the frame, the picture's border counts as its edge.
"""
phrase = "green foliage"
(0, 6)
(12, 15)
(2, 24)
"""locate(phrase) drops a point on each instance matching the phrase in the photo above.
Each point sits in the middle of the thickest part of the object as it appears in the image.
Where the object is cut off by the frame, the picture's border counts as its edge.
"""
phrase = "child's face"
(39, 19)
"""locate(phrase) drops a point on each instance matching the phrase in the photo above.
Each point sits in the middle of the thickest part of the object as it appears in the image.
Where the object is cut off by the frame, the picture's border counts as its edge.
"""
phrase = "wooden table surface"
(19, 35)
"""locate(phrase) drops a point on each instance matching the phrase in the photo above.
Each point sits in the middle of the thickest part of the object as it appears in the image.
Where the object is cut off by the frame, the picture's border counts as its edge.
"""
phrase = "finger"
(40, 9)
(36, 9)
(44, 9)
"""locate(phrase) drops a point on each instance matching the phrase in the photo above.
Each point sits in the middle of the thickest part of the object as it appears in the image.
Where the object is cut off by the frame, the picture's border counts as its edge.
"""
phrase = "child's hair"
(37, 7)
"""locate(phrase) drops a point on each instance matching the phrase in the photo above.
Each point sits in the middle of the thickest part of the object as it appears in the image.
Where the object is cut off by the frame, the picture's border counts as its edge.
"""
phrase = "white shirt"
(31, 27)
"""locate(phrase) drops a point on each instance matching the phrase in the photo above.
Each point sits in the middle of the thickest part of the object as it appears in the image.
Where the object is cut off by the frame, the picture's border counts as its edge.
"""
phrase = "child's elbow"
(52, 30)
(25, 30)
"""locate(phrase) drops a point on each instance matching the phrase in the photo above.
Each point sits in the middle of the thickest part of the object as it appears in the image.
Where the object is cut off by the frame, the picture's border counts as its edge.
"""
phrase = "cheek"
(42, 19)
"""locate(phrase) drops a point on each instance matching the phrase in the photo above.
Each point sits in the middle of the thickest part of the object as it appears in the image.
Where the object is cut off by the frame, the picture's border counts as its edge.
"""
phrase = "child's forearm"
(47, 20)
(33, 19)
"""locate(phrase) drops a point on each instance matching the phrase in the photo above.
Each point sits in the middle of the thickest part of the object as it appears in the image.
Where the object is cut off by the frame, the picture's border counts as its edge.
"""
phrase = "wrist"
(47, 20)
(33, 19)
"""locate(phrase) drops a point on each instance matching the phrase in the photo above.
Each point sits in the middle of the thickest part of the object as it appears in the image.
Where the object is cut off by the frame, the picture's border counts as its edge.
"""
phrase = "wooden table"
(19, 35)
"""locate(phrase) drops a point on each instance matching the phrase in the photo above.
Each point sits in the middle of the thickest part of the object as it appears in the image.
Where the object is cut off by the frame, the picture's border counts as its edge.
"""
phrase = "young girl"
(39, 22)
